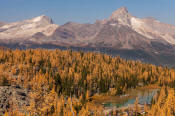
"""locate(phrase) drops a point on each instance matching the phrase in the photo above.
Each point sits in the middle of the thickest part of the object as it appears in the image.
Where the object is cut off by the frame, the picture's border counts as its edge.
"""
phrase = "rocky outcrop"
(13, 98)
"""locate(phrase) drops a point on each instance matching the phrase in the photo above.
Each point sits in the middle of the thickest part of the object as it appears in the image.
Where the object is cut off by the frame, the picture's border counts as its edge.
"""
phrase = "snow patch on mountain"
(113, 24)
(168, 38)
(135, 22)
(27, 28)
(37, 19)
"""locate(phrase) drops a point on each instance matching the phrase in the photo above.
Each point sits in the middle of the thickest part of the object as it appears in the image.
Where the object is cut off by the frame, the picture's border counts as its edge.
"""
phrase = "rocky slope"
(13, 96)
(121, 34)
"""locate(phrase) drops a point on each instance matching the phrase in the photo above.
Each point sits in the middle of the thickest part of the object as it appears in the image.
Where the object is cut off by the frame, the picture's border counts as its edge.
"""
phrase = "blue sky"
(84, 11)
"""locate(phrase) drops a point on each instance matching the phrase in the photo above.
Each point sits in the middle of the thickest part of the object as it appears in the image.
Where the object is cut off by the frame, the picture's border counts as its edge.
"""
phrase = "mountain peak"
(121, 16)
(121, 12)
(43, 18)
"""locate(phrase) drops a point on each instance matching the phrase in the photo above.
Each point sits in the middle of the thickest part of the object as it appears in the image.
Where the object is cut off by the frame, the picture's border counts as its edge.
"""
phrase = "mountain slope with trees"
(63, 82)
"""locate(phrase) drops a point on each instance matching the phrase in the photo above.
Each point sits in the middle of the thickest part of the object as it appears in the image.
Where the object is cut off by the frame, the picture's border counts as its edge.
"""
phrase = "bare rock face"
(13, 97)
(121, 15)
(76, 34)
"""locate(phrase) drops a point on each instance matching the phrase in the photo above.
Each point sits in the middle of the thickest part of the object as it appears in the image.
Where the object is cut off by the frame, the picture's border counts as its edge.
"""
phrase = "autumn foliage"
(62, 82)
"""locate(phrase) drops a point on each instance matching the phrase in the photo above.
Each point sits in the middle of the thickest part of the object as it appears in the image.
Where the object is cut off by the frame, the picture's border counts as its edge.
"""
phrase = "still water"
(144, 96)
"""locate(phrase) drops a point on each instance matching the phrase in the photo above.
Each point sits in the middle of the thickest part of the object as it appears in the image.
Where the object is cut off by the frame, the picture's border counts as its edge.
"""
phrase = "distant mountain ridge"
(122, 34)
(2, 23)
(26, 29)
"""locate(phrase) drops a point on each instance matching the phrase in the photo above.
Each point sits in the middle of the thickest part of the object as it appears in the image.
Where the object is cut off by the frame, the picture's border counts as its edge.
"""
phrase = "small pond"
(144, 96)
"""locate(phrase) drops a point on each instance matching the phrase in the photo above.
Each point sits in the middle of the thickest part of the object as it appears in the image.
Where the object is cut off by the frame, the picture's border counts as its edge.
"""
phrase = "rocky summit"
(145, 39)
